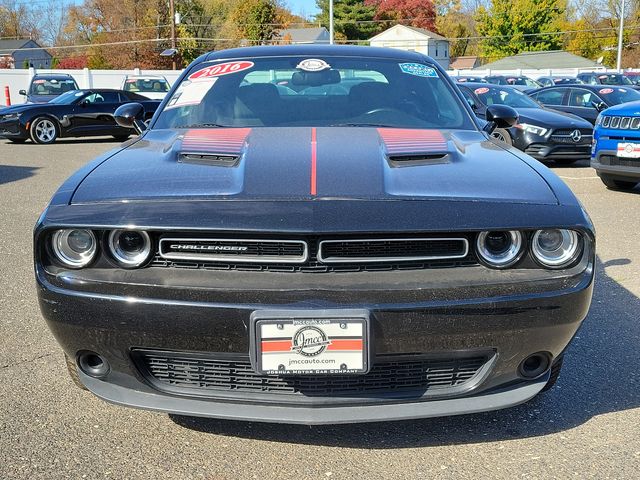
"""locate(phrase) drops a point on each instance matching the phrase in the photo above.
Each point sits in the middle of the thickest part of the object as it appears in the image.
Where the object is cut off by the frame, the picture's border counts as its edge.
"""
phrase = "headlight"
(598, 120)
(555, 248)
(532, 129)
(74, 248)
(10, 116)
(130, 248)
(499, 249)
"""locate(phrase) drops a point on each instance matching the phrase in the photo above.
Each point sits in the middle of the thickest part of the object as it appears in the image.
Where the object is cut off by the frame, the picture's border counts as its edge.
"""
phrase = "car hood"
(314, 163)
(14, 109)
(549, 118)
(629, 108)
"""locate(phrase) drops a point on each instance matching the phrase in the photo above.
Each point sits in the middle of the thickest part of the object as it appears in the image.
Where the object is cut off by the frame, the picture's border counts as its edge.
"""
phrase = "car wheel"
(565, 161)
(617, 184)
(121, 138)
(502, 135)
(17, 140)
(43, 130)
(555, 373)
(73, 372)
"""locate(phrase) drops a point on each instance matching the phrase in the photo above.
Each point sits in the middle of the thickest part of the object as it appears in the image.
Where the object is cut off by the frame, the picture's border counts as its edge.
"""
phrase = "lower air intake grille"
(620, 162)
(190, 373)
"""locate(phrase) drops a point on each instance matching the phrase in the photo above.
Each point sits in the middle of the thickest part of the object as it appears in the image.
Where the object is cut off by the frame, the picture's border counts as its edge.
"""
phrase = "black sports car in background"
(557, 80)
(44, 87)
(356, 254)
(542, 133)
(76, 113)
(585, 101)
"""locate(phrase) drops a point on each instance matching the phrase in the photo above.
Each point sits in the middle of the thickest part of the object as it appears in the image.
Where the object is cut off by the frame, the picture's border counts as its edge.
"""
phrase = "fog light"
(93, 364)
(74, 248)
(499, 249)
(534, 365)
(130, 248)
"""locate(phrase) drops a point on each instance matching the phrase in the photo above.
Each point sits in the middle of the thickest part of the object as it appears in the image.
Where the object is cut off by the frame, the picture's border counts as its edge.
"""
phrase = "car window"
(617, 95)
(550, 97)
(150, 85)
(52, 86)
(103, 97)
(303, 91)
(545, 82)
(500, 95)
(468, 97)
(582, 98)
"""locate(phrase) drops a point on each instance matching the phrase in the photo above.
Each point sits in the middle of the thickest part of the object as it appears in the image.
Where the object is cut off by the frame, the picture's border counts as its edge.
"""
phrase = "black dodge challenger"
(75, 113)
(337, 250)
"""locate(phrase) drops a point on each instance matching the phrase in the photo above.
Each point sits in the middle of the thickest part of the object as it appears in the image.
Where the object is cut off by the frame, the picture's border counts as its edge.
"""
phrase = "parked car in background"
(634, 77)
(521, 83)
(47, 86)
(557, 80)
(616, 148)
(77, 113)
(540, 132)
(154, 87)
(313, 259)
(466, 78)
(601, 78)
(586, 101)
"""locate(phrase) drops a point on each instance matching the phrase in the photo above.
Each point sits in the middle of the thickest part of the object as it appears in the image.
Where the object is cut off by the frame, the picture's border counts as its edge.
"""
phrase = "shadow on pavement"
(600, 375)
(66, 141)
(11, 173)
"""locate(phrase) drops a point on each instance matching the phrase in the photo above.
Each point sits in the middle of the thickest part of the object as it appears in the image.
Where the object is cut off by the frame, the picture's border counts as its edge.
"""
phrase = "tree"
(255, 20)
(354, 20)
(416, 13)
(514, 26)
(454, 23)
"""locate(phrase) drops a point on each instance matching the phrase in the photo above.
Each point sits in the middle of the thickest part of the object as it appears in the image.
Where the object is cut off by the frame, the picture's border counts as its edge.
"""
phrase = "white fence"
(19, 79)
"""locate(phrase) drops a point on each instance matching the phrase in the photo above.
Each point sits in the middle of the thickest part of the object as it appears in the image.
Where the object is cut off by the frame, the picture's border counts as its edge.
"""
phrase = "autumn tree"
(514, 26)
(416, 13)
(255, 20)
(453, 22)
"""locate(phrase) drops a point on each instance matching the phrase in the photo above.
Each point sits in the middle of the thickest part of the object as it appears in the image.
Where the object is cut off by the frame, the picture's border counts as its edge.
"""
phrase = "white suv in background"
(154, 87)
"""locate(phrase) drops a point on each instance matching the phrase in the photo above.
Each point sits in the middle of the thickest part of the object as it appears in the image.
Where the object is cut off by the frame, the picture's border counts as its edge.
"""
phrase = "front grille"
(569, 131)
(565, 136)
(612, 160)
(622, 123)
(293, 256)
(202, 374)
(559, 151)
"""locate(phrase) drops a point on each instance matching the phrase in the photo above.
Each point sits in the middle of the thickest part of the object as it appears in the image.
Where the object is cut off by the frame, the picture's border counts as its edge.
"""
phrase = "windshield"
(67, 98)
(146, 85)
(565, 81)
(523, 81)
(505, 96)
(52, 86)
(312, 91)
(614, 79)
(614, 96)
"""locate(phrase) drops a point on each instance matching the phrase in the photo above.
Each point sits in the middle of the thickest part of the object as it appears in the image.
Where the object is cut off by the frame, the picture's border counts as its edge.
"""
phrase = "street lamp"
(330, 22)
(619, 62)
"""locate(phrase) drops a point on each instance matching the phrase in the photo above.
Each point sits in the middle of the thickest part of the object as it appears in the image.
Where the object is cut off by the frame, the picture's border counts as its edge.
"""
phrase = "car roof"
(52, 75)
(319, 50)
(159, 77)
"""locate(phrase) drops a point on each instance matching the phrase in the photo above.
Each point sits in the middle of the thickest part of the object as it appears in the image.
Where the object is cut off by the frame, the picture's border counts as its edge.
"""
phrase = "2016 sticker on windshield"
(481, 90)
(418, 70)
(605, 91)
(221, 69)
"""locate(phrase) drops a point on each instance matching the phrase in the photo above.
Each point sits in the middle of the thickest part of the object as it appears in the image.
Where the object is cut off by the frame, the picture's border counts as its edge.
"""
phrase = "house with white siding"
(415, 39)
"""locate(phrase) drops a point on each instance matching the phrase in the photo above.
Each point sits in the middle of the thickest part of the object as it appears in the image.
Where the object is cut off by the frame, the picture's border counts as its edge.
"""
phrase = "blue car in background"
(616, 146)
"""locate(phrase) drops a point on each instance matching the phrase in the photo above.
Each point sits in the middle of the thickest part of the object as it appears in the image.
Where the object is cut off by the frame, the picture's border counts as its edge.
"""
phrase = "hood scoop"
(409, 147)
(215, 147)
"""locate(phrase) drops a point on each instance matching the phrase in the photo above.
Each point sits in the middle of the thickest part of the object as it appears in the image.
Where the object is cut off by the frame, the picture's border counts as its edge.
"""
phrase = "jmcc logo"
(309, 341)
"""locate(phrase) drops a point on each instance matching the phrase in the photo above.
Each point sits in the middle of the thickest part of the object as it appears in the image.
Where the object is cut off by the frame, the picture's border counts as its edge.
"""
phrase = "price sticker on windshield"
(481, 90)
(221, 69)
(605, 91)
(418, 70)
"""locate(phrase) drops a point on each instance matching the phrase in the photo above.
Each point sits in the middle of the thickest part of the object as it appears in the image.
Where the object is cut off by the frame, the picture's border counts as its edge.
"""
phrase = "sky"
(306, 7)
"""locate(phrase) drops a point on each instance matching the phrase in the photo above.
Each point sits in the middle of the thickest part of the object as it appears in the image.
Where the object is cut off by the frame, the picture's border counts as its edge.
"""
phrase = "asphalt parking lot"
(588, 426)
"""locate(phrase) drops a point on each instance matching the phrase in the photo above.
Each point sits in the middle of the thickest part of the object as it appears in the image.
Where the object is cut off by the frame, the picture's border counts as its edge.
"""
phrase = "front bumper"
(12, 129)
(456, 311)
(546, 148)
(605, 160)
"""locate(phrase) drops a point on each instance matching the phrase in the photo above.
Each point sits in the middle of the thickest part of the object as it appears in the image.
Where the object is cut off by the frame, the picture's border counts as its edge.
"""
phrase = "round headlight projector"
(499, 249)
(130, 248)
(74, 248)
(555, 247)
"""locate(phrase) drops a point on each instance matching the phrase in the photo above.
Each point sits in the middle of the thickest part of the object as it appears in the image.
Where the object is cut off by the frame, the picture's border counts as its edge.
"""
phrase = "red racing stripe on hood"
(405, 140)
(223, 140)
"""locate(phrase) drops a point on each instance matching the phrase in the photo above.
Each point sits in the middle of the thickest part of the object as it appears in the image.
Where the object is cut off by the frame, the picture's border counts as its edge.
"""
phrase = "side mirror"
(22, 92)
(599, 106)
(500, 116)
(131, 115)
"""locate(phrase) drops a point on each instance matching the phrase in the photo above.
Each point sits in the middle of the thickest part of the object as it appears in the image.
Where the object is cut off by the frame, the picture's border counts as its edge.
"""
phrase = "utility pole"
(172, 14)
(330, 22)
(619, 63)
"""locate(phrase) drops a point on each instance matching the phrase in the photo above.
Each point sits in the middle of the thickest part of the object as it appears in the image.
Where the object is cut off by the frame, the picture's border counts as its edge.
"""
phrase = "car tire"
(17, 140)
(617, 184)
(121, 138)
(555, 373)
(502, 135)
(44, 130)
(73, 372)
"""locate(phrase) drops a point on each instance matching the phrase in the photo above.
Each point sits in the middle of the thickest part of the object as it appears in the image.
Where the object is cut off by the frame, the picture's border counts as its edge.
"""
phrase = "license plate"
(326, 342)
(628, 150)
